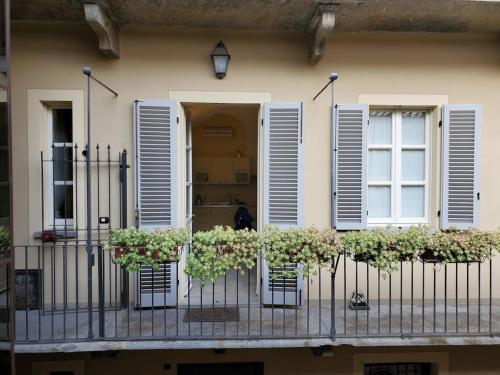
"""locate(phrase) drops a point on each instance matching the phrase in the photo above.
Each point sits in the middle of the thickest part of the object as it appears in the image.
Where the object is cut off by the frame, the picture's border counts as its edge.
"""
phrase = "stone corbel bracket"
(319, 30)
(107, 32)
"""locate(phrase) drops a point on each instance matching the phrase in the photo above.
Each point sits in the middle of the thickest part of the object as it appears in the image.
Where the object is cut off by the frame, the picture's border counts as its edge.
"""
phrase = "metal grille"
(284, 139)
(461, 164)
(156, 281)
(154, 165)
(350, 167)
(279, 283)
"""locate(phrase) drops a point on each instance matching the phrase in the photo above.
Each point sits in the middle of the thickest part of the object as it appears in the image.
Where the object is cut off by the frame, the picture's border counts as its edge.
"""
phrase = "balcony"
(69, 296)
(421, 304)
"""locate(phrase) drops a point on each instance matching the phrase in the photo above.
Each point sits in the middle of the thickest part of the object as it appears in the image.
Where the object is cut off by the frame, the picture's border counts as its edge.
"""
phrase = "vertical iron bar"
(468, 317)
(446, 298)
(319, 300)
(90, 257)
(479, 297)
(100, 271)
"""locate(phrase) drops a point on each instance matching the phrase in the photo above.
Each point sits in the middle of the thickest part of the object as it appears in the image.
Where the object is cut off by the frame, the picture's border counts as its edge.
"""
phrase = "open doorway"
(224, 150)
(224, 173)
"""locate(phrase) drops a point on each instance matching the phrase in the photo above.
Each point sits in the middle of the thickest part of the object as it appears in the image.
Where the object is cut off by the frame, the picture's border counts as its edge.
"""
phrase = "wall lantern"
(220, 58)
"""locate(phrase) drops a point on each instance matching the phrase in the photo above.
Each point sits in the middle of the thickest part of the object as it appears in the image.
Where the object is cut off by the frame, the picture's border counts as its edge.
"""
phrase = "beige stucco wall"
(345, 360)
(155, 63)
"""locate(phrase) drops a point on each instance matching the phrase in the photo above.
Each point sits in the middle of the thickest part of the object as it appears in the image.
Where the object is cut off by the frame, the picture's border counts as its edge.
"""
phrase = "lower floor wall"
(444, 360)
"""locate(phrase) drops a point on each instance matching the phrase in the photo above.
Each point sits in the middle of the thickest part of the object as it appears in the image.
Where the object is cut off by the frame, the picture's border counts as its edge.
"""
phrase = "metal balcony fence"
(68, 289)
(420, 299)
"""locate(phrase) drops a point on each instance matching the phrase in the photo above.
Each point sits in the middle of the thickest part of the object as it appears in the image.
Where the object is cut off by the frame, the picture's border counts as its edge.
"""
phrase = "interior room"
(224, 152)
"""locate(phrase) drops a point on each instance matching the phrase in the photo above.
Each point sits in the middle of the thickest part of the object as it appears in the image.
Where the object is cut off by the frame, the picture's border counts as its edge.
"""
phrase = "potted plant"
(311, 248)
(377, 247)
(134, 248)
(460, 246)
(215, 252)
(411, 242)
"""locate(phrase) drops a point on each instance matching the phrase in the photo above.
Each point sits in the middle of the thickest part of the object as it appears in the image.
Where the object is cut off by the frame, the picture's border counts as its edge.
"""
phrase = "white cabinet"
(221, 171)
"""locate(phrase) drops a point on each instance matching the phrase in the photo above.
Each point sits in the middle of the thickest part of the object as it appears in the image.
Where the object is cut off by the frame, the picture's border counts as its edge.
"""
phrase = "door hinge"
(177, 119)
(262, 122)
(440, 123)
(478, 196)
(439, 213)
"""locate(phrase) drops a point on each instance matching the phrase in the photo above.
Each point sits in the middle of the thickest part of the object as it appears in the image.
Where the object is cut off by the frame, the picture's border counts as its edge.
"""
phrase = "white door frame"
(217, 97)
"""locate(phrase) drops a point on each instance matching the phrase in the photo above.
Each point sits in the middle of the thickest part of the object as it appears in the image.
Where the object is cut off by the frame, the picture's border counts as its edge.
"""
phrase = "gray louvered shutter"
(156, 191)
(156, 135)
(350, 166)
(460, 166)
(283, 190)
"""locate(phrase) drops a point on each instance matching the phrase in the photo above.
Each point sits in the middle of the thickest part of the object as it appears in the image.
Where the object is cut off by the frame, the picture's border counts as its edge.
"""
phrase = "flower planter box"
(120, 251)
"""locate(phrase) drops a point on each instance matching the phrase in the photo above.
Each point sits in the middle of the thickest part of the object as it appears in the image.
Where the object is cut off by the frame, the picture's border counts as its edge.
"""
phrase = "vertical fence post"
(124, 223)
(100, 273)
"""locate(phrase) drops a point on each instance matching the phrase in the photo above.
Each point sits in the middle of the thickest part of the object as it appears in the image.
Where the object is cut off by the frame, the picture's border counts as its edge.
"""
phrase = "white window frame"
(49, 195)
(396, 182)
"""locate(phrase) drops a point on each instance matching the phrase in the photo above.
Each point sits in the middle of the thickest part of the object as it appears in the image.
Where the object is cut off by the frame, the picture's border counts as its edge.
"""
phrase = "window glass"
(413, 165)
(413, 128)
(380, 129)
(62, 122)
(379, 201)
(379, 165)
(412, 201)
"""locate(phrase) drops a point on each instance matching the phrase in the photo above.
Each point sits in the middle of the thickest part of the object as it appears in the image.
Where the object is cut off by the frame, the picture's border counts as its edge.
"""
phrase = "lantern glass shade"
(220, 59)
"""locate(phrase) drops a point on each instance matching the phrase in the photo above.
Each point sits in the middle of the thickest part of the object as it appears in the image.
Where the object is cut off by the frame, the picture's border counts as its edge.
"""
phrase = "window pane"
(379, 165)
(379, 201)
(63, 165)
(380, 129)
(413, 165)
(412, 201)
(413, 128)
(63, 201)
(62, 125)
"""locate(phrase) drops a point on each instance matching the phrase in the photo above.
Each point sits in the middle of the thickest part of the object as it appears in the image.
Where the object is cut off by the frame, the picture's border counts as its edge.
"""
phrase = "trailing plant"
(411, 242)
(310, 247)
(377, 247)
(4, 242)
(221, 249)
(134, 248)
(471, 245)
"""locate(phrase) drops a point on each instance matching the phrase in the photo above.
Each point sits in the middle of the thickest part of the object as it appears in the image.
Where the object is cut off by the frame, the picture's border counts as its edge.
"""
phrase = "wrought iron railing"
(421, 299)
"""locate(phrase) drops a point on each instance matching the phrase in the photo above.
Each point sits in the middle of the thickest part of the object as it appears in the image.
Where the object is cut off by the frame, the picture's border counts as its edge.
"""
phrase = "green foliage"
(311, 247)
(137, 247)
(469, 245)
(4, 242)
(221, 249)
(377, 247)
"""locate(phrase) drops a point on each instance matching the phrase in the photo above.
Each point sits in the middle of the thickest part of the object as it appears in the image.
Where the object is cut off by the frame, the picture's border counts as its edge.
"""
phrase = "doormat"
(216, 314)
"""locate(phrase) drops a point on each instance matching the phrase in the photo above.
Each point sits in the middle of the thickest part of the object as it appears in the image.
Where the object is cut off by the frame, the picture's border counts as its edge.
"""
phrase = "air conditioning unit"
(218, 132)
(157, 288)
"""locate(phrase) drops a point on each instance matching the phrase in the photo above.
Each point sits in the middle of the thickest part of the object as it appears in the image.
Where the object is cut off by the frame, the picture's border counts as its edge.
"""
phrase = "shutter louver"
(156, 163)
(349, 185)
(156, 192)
(283, 191)
(460, 166)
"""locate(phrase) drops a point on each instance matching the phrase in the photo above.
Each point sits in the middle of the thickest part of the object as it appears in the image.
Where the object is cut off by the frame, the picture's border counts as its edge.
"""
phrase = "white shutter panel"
(156, 169)
(350, 164)
(283, 190)
(460, 166)
(156, 191)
